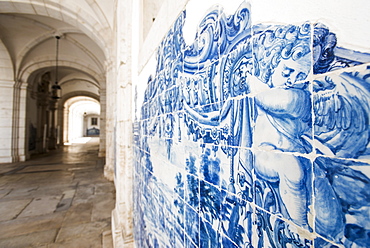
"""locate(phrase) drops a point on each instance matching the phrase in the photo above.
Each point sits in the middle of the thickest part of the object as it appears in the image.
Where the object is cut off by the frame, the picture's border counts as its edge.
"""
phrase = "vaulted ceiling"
(28, 30)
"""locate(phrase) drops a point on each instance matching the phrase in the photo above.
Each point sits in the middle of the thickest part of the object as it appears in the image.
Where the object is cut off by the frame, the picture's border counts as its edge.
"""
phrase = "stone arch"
(6, 65)
(94, 83)
(91, 22)
(74, 108)
(50, 62)
(97, 28)
(45, 36)
(65, 98)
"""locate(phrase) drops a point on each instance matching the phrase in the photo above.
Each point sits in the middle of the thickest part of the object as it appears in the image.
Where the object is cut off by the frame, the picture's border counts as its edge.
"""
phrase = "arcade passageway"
(59, 199)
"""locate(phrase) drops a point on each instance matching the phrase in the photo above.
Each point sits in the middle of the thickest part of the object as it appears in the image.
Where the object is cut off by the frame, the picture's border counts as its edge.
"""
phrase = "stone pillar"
(103, 113)
(122, 216)
(110, 122)
(18, 127)
(65, 125)
(22, 128)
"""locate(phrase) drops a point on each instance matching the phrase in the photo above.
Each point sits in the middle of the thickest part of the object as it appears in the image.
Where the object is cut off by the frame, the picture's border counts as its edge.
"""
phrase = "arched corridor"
(81, 118)
(221, 123)
(58, 64)
(58, 199)
(47, 58)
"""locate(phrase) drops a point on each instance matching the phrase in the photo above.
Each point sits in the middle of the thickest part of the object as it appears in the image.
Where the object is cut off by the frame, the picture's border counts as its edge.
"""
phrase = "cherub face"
(289, 72)
(241, 75)
(242, 72)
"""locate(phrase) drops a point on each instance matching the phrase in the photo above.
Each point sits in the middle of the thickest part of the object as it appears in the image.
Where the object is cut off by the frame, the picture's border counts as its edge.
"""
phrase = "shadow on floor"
(57, 200)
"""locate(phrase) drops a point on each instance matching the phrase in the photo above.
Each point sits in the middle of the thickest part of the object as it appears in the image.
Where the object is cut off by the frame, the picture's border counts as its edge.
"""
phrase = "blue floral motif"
(236, 145)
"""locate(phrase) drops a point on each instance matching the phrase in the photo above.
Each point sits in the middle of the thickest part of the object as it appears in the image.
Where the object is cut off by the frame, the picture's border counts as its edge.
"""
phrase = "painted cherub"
(282, 125)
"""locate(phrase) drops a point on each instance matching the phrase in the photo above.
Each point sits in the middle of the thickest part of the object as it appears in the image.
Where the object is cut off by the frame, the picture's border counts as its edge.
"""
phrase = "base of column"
(16, 158)
(22, 158)
(7, 159)
(101, 154)
(109, 173)
(117, 234)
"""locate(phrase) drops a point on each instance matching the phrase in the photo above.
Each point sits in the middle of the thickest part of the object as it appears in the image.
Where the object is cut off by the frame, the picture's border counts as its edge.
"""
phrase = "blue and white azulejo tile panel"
(253, 136)
(328, 56)
(341, 111)
(341, 200)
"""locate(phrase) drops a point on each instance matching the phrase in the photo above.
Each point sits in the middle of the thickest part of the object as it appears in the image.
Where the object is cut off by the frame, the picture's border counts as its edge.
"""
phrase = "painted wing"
(341, 108)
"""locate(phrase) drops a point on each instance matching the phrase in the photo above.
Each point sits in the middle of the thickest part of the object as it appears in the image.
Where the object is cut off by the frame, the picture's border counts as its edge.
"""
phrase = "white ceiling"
(28, 30)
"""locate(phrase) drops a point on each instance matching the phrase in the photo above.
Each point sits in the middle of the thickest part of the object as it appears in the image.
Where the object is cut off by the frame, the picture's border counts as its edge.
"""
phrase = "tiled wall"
(253, 136)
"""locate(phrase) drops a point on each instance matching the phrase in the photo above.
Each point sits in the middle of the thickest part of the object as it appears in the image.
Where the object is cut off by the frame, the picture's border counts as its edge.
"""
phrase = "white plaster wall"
(348, 19)
(167, 14)
(6, 111)
(150, 13)
(6, 105)
(75, 129)
(89, 122)
(76, 116)
(6, 68)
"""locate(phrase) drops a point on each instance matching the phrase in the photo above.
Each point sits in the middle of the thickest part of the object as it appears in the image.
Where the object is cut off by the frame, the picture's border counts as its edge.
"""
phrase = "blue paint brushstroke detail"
(232, 118)
(342, 192)
(328, 57)
(341, 108)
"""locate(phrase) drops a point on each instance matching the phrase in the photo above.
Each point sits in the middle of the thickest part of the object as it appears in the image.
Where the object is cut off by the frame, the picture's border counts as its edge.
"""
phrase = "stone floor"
(57, 200)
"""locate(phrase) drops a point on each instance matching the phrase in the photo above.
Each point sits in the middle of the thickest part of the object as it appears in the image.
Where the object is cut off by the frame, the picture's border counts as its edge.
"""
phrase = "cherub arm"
(292, 103)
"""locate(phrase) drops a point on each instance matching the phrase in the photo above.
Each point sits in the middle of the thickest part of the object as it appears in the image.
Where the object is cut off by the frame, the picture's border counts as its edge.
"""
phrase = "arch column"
(65, 121)
(103, 112)
(13, 98)
(19, 110)
(110, 115)
(122, 216)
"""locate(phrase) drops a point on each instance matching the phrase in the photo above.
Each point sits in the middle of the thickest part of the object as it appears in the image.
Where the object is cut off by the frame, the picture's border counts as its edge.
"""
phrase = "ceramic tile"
(192, 191)
(210, 203)
(178, 236)
(271, 231)
(282, 102)
(341, 107)
(210, 166)
(237, 175)
(341, 201)
(236, 222)
(179, 212)
(192, 224)
(199, 89)
(189, 243)
(180, 185)
(283, 185)
(224, 139)
(327, 56)
(319, 242)
(209, 237)
(226, 242)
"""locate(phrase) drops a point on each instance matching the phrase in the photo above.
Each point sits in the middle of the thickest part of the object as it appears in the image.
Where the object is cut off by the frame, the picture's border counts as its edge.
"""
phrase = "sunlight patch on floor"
(82, 140)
